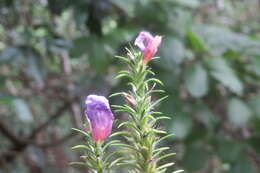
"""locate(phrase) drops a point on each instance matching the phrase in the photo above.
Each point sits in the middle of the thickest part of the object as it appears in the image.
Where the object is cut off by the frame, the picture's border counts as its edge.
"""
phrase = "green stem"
(142, 133)
(99, 155)
(147, 142)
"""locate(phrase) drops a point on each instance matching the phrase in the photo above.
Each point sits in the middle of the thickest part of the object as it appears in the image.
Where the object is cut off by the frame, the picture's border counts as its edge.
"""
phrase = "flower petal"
(143, 39)
(100, 116)
(152, 48)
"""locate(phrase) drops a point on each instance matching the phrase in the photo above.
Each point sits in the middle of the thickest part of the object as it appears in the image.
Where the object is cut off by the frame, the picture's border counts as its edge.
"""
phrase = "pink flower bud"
(130, 100)
(100, 116)
(148, 44)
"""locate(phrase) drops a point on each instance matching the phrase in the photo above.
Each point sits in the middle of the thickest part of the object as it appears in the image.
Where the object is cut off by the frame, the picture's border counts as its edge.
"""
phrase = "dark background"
(53, 53)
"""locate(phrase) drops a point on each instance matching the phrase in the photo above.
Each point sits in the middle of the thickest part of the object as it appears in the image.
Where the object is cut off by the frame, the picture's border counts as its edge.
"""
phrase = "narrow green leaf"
(165, 156)
(157, 102)
(79, 147)
(165, 166)
(111, 155)
(116, 94)
(128, 163)
(109, 143)
(163, 138)
(179, 171)
(158, 151)
(124, 133)
(150, 72)
(124, 146)
(158, 131)
(155, 91)
(146, 118)
(124, 59)
(124, 72)
(122, 75)
(154, 80)
(81, 131)
(129, 124)
(115, 162)
(162, 118)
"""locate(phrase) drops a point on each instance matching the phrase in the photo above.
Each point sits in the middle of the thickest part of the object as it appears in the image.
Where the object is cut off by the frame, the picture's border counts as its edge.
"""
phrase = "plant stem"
(146, 144)
(99, 155)
(142, 134)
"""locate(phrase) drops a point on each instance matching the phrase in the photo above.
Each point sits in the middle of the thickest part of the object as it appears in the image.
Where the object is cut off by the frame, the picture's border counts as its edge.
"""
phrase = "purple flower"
(144, 38)
(100, 116)
(148, 44)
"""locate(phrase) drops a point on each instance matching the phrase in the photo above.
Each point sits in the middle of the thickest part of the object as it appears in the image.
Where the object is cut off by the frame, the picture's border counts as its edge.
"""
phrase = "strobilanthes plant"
(100, 119)
(143, 151)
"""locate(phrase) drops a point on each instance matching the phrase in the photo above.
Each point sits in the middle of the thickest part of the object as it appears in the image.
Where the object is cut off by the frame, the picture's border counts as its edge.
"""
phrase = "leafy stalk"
(96, 156)
(141, 133)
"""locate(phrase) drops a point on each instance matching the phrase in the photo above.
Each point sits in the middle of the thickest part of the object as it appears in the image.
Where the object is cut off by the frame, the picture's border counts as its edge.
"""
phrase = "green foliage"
(222, 72)
(181, 126)
(55, 52)
(195, 157)
(96, 156)
(238, 112)
(196, 80)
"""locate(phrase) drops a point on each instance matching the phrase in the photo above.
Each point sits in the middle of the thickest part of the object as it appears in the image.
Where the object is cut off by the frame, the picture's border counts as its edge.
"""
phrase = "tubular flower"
(148, 44)
(100, 116)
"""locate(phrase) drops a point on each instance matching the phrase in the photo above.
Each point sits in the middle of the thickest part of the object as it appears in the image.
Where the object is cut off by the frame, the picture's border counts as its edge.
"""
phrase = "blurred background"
(53, 53)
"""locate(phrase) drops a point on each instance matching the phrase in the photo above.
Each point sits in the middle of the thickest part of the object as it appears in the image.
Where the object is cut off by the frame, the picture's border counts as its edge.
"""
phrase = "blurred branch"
(74, 106)
(57, 142)
(10, 135)
(18, 145)
(52, 118)
(77, 118)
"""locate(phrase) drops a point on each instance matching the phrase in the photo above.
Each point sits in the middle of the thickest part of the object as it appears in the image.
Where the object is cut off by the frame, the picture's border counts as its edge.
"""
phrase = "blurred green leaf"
(96, 50)
(173, 50)
(196, 42)
(188, 3)
(196, 157)
(59, 45)
(254, 65)
(22, 110)
(35, 67)
(98, 57)
(221, 71)
(196, 80)
(227, 149)
(220, 39)
(206, 116)
(181, 125)
(238, 112)
(254, 141)
(254, 103)
(197, 134)
(6, 99)
(242, 165)
(80, 47)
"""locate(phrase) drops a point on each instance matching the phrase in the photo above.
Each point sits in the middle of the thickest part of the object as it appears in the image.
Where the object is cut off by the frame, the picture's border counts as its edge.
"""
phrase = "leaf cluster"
(96, 155)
